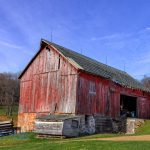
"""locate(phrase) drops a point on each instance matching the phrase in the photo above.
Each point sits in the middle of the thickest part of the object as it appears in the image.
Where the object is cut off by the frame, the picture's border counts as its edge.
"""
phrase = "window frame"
(92, 88)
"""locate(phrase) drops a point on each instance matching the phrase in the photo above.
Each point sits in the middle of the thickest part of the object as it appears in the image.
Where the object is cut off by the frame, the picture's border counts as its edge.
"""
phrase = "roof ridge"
(85, 56)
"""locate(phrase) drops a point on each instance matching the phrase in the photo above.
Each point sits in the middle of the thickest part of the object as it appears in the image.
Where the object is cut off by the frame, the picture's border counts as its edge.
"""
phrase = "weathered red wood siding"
(143, 107)
(46, 87)
(106, 99)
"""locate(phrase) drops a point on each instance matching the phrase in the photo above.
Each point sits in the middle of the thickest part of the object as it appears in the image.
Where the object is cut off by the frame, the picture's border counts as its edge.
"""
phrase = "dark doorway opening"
(128, 106)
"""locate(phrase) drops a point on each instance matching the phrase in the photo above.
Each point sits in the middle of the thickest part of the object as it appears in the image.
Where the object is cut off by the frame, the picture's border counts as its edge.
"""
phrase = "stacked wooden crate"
(6, 128)
(120, 124)
(103, 124)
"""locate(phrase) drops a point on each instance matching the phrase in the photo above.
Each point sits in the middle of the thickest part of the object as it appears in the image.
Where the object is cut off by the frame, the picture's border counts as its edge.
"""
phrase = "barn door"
(114, 104)
(143, 108)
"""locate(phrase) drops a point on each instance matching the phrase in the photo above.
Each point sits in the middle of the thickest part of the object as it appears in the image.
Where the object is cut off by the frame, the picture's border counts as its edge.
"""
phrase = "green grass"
(27, 141)
(144, 129)
(3, 110)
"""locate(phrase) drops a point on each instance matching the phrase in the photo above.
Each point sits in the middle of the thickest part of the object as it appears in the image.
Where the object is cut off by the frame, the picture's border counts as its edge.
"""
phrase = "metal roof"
(96, 68)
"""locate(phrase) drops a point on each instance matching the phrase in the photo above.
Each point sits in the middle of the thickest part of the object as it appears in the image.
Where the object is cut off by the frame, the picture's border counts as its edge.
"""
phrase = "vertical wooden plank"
(143, 107)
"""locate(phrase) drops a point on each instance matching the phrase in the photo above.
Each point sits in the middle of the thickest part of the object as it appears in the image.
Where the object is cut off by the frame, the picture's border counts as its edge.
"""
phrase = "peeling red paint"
(45, 86)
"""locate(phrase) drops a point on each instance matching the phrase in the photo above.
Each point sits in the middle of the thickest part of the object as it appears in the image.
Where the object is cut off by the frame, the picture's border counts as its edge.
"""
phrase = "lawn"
(28, 141)
(3, 110)
(145, 129)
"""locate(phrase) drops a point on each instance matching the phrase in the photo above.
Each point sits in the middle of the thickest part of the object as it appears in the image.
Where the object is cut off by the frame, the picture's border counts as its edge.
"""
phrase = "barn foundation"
(26, 121)
(88, 124)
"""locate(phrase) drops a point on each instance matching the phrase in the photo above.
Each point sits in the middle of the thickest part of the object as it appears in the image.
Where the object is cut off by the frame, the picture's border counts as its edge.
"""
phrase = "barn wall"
(48, 86)
(143, 107)
(93, 93)
(97, 95)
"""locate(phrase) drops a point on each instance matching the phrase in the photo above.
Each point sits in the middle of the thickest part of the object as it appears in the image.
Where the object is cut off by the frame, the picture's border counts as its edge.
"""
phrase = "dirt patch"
(127, 138)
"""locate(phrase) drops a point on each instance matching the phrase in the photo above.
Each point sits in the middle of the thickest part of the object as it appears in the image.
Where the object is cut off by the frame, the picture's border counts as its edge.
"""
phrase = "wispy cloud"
(111, 36)
(7, 44)
(119, 36)
(105, 37)
(147, 28)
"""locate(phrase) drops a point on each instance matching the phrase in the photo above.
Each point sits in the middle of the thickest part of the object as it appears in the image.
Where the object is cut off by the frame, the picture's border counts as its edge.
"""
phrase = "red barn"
(60, 81)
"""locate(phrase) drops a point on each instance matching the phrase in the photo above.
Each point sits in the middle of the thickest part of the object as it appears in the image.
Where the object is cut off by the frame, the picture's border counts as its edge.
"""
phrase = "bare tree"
(146, 81)
(9, 91)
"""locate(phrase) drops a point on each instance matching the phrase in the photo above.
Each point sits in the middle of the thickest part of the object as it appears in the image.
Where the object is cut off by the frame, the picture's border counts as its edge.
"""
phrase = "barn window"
(59, 62)
(47, 48)
(75, 124)
(92, 88)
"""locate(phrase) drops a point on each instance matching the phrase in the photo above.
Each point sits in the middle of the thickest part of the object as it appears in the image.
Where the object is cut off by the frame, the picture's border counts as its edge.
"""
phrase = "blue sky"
(114, 30)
